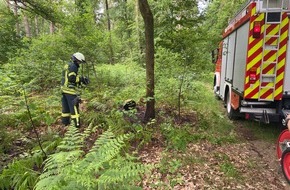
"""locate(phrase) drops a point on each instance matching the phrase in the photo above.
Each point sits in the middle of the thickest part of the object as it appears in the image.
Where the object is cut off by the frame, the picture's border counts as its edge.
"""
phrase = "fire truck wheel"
(285, 163)
(284, 136)
(216, 89)
(232, 114)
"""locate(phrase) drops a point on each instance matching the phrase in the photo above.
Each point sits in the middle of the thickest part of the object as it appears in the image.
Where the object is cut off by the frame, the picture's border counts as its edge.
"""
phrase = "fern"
(121, 173)
(22, 174)
(72, 140)
(87, 132)
(19, 175)
(103, 167)
(69, 167)
(69, 150)
(105, 149)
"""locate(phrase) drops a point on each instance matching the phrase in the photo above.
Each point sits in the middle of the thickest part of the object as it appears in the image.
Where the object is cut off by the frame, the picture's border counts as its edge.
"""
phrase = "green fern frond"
(96, 105)
(55, 169)
(103, 139)
(58, 163)
(72, 140)
(122, 172)
(62, 159)
(49, 182)
(23, 174)
(104, 149)
(88, 131)
(18, 175)
(103, 167)
(48, 147)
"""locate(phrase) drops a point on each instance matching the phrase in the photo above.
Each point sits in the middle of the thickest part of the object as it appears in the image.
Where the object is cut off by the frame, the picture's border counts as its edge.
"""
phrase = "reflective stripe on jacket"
(70, 79)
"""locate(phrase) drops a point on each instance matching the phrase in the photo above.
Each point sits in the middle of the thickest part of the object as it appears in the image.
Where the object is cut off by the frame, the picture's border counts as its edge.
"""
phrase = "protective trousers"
(70, 109)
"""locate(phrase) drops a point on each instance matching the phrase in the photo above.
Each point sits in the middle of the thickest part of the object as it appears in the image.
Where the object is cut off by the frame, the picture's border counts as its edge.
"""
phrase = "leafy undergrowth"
(196, 149)
(189, 154)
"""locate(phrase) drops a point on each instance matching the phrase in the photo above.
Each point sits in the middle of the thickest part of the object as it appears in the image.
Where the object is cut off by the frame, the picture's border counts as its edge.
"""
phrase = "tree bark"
(51, 27)
(149, 57)
(110, 36)
(27, 27)
(36, 26)
(15, 11)
(138, 33)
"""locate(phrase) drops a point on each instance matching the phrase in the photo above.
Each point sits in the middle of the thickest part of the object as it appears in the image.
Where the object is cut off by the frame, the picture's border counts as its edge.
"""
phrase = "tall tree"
(15, 11)
(26, 26)
(9, 39)
(109, 30)
(36, 26)
(149, 56)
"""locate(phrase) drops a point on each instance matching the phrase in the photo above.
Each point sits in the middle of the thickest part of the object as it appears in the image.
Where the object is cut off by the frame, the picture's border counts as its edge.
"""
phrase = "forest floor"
(249, 164)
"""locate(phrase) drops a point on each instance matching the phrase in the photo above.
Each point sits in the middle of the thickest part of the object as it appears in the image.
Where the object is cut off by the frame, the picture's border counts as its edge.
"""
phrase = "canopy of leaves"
(48, 9)
(217, 16)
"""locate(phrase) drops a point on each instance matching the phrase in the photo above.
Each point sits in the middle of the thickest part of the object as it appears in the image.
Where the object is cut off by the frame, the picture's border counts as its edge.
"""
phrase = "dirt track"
(254, 162)
(265, 152)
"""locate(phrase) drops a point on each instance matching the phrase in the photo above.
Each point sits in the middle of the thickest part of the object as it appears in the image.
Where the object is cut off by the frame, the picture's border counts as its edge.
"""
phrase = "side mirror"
(214, 55)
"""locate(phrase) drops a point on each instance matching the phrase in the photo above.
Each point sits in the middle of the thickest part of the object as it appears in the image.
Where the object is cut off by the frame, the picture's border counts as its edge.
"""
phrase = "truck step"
(273, 9)
(257, 110)
(271, 47)
(267, 87)
(272, 36)
(273, 22)
(268, 76)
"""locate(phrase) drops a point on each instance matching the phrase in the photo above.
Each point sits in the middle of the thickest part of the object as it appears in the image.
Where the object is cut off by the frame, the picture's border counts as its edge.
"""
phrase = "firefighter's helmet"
(129, 104)
(79, 57)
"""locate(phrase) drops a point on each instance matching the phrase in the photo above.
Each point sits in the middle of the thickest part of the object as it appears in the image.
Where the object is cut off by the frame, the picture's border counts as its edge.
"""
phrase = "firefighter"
(69, 86)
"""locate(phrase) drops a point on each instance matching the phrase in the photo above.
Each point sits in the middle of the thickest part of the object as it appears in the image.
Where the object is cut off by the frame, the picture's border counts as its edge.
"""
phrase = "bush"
(119, 82)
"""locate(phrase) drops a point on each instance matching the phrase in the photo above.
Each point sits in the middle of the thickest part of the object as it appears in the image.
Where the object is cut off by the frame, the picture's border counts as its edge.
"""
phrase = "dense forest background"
(39, 37)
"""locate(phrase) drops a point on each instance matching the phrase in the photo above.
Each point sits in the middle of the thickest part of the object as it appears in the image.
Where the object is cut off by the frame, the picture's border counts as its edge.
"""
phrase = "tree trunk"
(52, 27)
(127, 20)
(15, 11)
(109, 29)
(36, 26)
(138, 33)
(149, 57)
(27, 27)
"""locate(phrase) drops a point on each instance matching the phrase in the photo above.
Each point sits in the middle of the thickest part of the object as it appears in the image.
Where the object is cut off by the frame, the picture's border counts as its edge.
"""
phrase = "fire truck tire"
(232, 114)
(216, 91)
(284, 136)
(285, 163)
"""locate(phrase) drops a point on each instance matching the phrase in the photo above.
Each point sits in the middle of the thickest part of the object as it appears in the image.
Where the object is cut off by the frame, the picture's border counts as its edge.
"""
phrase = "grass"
(266, 132)
(229, 170)
(207, 121)
(114, 84)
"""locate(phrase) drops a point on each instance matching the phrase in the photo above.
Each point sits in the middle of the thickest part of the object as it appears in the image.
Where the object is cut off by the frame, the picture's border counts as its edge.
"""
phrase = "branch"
(33, 126)
(32, 6)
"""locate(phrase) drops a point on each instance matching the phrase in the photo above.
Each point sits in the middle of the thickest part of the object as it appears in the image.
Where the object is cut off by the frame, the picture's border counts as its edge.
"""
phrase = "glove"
(77, 101)
(84, 80)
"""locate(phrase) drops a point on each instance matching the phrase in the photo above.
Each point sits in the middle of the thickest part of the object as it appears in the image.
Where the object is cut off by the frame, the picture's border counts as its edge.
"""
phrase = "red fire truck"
(252, 73)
